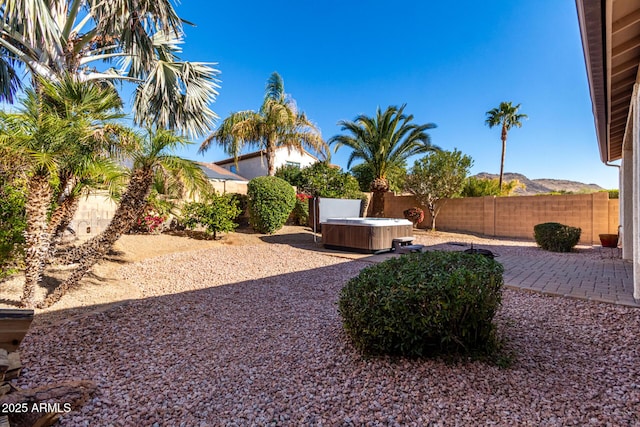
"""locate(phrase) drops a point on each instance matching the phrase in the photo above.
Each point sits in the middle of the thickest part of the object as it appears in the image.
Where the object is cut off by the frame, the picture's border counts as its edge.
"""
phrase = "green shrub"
(291, 174)
(555, 237)
(242, 201)
(216, 214)
(424, 303)
(322, 180)
(300, 214)
(271, 200)
(12, 223)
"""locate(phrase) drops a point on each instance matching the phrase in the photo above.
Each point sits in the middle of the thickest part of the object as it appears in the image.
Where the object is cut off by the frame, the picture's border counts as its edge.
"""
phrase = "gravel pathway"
(250, 335)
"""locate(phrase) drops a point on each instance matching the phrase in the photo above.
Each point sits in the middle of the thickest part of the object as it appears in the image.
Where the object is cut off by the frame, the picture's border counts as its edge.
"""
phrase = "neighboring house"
(611, 40)
(255, 164)
(223, 180)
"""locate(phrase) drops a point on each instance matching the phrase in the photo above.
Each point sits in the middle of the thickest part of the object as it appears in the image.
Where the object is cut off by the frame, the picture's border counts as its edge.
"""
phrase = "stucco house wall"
(255, 164)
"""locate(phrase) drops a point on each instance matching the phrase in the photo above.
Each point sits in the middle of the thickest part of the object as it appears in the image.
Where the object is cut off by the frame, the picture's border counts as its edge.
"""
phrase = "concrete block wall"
(93, 215)
(515, 216)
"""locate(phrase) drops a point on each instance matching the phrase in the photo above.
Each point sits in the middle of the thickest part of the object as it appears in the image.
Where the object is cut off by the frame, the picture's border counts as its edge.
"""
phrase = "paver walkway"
(608, 279)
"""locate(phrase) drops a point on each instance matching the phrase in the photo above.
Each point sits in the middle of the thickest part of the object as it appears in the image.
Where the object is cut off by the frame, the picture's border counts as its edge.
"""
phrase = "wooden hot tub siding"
(362, 238)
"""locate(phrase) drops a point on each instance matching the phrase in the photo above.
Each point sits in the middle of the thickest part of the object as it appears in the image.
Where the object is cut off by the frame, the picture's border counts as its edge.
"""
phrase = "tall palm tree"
(278, 123)
(116, 40)
(384, 143)
(53, 136)
(506, 116)
(152, 156)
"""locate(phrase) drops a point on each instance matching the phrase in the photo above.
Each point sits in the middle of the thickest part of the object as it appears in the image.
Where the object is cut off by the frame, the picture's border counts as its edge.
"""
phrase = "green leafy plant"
(480, 187)
(271, 200)
(556, 237)
(291, 174)
(324, 180)
(12, 223)
(300, 214)
(422, 304)
(216, 214)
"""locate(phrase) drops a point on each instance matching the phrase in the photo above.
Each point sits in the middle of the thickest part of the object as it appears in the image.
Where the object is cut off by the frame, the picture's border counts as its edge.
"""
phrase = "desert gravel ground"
(246, 332)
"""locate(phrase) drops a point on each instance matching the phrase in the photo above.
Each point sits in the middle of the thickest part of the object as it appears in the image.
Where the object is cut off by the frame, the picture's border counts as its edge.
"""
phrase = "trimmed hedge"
(424, 303)
(271, 200)
(556, 237)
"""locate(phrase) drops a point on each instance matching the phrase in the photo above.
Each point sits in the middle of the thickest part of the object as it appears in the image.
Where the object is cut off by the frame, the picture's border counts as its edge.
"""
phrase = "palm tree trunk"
(60, 220)
(377, 204)
(270, 154)
(37, 237)
(89, 253)
(504, 150)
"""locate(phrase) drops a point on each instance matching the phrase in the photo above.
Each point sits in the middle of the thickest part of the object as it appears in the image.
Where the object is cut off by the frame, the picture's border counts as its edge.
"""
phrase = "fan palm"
(52, 38)
(277, 124)
(53, 138)
(384, 143)
(506, 116)
(152, 155)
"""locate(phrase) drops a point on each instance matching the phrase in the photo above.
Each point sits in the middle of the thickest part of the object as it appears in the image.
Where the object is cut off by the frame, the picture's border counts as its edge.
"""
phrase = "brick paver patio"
(607, 279)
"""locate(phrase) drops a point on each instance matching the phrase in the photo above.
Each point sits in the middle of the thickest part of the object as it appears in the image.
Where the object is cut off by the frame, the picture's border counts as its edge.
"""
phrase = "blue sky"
(449, 64)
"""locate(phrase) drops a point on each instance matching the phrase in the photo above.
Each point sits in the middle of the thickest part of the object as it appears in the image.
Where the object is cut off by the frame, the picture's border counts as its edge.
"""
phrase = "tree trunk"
(378, 187)
(37, 237)
(377, 204)
(60, 220)
(270, 154)
(132, 205)
(504, 150)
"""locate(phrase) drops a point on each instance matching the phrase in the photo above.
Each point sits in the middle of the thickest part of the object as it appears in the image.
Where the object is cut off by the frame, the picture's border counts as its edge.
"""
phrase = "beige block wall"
(229, 187)
(93, 215)
(515, 216)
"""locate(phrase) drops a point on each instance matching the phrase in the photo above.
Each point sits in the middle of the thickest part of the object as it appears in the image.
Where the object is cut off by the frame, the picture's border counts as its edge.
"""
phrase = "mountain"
(544, 185)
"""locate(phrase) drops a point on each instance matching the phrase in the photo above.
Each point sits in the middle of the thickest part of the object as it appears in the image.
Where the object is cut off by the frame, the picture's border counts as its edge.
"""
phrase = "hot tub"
(369, 235)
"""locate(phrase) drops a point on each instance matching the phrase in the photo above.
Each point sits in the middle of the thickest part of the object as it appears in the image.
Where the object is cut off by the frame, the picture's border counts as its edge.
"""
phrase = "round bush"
(271, 200)
(423, 303)
(555, 237)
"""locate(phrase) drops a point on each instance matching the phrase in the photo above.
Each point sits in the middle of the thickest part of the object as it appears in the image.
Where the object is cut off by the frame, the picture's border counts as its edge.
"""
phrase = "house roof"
(610, 33)
(213, 171)
(255, 154)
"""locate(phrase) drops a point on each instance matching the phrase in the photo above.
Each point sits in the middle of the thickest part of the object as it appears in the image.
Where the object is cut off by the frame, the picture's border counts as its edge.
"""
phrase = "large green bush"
(216, 213)
(424, 303)
(556, 237)
(271, 200)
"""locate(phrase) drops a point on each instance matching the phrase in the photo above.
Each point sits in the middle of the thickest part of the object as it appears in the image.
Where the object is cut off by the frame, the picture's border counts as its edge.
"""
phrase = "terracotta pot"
(609, 240)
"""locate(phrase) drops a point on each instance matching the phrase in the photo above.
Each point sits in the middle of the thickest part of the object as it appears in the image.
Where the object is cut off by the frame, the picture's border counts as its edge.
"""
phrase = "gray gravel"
(250, 335)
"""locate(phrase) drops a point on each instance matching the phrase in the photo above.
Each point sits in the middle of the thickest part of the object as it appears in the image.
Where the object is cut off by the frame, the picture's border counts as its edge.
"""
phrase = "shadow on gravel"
(262, 349)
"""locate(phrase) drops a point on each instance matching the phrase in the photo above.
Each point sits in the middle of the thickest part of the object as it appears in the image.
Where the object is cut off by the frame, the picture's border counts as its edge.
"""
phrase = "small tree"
(216, 214)
(437, 176)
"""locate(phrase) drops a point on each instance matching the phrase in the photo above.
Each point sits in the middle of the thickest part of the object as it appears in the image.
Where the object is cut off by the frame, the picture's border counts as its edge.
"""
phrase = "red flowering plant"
(415, 215)
(149, 222)
(300, 213)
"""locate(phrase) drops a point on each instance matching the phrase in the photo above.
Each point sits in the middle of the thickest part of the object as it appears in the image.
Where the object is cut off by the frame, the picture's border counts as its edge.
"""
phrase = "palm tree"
(506, 115)
(152, 156)
(52, 38)
(277, 124)
(384, 143)
(53, 137)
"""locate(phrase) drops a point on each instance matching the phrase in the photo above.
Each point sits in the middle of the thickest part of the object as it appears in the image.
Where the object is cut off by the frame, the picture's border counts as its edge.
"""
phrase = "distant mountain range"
(545, 185)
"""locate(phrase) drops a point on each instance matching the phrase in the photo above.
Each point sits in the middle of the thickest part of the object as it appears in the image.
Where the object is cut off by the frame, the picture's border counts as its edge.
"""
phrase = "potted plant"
(609, 240)
(415, 215)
